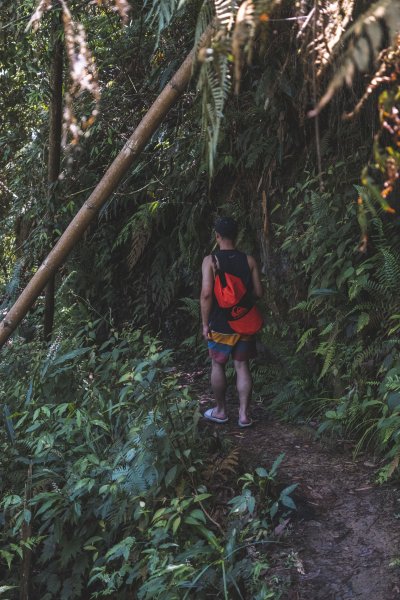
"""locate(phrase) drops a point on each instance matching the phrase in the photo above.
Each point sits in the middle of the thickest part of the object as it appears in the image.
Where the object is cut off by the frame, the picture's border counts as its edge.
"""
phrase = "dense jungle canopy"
(290, 124)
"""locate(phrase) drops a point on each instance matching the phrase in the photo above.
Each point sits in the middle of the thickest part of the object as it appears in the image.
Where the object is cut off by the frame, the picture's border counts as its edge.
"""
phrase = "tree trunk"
(107, 185)
(53, 165)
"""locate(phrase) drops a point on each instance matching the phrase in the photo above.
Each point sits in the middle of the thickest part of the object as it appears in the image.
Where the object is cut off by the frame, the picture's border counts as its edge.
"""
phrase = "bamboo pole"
(107, 185)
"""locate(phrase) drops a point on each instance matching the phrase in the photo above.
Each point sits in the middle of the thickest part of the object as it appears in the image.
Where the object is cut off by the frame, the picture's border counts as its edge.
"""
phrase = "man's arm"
(206, 295)
(255, 276)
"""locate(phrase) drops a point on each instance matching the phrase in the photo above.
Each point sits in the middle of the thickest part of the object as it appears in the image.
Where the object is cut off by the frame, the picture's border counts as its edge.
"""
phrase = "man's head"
(226, 228)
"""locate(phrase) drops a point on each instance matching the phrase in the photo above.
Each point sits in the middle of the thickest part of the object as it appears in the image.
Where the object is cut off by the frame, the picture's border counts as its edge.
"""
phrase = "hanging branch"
(83, 72)
(374, 31)
(83, 75)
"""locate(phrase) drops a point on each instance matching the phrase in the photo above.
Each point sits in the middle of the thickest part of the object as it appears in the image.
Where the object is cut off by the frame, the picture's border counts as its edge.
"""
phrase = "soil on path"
(347, 530)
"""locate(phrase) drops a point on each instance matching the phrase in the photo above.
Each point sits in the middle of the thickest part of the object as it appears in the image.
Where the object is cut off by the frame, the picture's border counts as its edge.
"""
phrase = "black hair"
(226, 227)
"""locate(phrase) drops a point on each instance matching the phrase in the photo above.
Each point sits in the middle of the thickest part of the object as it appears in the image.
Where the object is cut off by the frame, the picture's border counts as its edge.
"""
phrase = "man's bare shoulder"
(207, 260)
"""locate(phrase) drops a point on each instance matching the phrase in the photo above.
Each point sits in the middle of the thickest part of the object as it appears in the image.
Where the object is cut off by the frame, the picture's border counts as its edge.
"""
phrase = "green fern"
(374, 351)
(191, 306)
(304, 338)
(389, 271)
(215, 85)
(328, 351)
(138, 231)
(161, 12)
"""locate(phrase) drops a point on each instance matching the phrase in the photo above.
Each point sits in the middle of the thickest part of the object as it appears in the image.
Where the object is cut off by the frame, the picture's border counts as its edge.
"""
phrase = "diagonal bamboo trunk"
(102, 192)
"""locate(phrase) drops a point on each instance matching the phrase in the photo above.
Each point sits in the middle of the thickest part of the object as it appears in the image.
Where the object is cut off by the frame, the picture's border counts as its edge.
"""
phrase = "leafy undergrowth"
(109, 491)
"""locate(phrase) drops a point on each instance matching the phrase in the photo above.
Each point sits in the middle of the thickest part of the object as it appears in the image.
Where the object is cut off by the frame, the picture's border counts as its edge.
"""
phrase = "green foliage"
(91, 431)
(101, 454)
(346, 332)
(102, 460)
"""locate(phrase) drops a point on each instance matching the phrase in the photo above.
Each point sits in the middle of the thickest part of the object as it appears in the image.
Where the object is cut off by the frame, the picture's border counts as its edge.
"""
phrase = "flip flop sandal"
(209, 416)
(249, 424)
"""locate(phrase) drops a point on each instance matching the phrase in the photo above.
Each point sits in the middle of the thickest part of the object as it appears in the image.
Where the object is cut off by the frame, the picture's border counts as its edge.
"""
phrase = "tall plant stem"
(26, 532)
(107, 185)
(314, 85)
(53, 164)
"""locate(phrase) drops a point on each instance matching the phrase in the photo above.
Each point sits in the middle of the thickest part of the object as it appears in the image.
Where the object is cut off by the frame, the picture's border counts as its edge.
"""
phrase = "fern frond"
(304, 338)
(225, 11)
(138, 230)
(222, 466)
(235, 36)
(162, 12)
(329, 355)
(139, 242)
(380, 295)
(320, 208)
(191, 307)
(362, 321)
(389, 273)
(375, 350)
(306, 306)
(215, 83)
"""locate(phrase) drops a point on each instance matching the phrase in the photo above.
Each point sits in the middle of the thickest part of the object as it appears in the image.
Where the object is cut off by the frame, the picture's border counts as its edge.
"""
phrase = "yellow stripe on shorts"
(230, 339)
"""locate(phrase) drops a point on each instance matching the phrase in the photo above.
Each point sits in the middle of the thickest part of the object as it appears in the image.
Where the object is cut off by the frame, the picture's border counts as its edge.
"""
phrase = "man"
(222, 340)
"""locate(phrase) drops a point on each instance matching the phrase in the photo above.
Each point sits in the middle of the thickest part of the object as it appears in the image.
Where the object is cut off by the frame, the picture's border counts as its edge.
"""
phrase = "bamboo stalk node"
(7, 323)
(130, 149)
(176, 87)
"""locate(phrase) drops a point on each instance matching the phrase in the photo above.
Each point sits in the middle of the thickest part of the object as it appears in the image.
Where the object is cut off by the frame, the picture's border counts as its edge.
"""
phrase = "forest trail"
(347, 529)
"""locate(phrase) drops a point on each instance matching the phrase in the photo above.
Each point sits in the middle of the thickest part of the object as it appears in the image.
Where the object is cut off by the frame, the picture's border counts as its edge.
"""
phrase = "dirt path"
(348, 529)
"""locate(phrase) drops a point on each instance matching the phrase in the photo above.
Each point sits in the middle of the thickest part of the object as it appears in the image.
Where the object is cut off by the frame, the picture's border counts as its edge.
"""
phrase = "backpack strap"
(217, 270)
(215, 263)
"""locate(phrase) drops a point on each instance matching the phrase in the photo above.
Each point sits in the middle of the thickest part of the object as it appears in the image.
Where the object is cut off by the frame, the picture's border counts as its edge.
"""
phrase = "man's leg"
(219, 385)
(244, 384)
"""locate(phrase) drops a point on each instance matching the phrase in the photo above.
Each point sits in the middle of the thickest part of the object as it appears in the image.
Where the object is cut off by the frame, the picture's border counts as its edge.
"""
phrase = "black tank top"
(234, 262)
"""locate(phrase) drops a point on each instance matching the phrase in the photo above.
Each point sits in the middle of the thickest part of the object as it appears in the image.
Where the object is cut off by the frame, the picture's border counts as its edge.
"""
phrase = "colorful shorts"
(223, 345)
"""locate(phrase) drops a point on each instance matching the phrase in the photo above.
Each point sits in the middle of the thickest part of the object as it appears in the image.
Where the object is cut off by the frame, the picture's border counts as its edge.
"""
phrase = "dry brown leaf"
(42, 7)
(83, 75)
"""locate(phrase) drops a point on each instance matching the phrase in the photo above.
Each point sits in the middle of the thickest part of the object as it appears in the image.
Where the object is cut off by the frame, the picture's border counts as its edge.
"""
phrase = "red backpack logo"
(232, 295)
(238, 311)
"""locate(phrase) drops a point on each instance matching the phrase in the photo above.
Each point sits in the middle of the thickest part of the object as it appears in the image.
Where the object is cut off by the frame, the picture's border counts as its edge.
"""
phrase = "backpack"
(233, 297)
